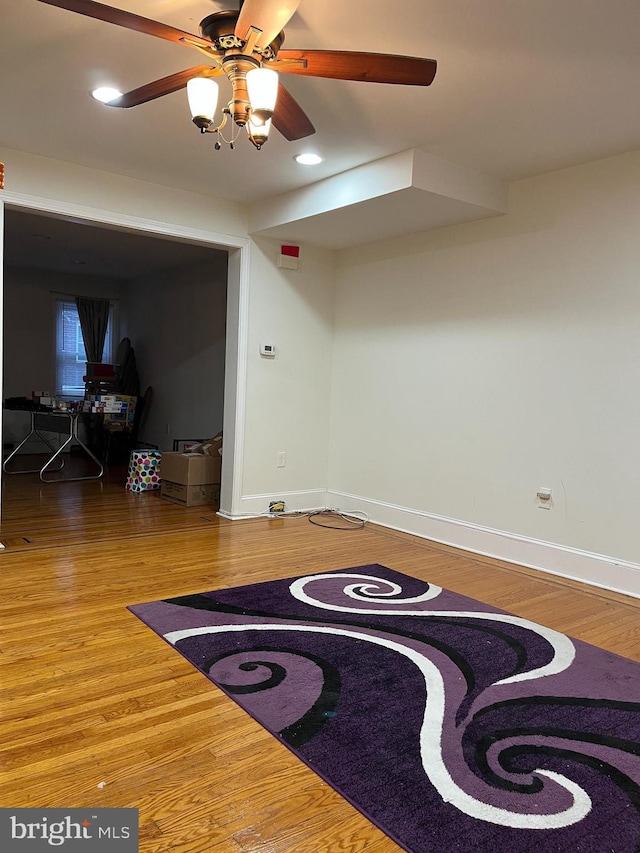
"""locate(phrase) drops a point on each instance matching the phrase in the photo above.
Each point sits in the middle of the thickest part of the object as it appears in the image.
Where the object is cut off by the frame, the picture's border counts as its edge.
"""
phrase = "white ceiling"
(523, 87)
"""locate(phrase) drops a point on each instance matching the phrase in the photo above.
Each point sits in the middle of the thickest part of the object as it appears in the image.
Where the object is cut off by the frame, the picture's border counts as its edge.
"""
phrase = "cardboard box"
(190, 479)
(179, 493)
(190, 469)
(210, 447)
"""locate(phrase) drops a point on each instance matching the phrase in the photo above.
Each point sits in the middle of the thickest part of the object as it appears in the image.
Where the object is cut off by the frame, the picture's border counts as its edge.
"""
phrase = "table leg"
(16, 450)
(73, 433)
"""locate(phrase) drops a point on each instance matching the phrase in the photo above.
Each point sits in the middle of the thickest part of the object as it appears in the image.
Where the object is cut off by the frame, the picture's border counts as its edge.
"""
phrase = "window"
(71, 357)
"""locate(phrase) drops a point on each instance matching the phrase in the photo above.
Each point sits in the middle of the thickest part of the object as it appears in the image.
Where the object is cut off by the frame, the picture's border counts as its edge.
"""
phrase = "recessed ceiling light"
(308, 159)
(106, 94)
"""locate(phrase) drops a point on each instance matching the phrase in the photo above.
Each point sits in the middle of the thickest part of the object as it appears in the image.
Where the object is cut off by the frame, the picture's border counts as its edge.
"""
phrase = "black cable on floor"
(356, 523)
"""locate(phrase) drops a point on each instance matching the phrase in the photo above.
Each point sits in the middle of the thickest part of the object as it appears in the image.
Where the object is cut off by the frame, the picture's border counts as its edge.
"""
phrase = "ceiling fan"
(246, 47)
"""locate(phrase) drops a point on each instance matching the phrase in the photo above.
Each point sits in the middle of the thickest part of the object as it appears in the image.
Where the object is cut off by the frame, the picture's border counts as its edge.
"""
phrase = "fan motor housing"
(219, 28)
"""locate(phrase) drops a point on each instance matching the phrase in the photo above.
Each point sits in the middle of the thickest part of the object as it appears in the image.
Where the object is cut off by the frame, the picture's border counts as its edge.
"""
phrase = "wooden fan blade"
(165, 86)
(270, 16)
(289, 118)
(129, 21)
(353, 65)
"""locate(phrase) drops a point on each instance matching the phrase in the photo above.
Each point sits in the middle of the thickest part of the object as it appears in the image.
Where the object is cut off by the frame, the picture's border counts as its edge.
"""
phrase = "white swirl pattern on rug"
(563, 648)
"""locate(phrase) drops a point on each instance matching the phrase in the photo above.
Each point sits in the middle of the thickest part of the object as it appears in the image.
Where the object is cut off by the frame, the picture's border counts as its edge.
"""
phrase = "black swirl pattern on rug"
(578, 722)
(311, 721)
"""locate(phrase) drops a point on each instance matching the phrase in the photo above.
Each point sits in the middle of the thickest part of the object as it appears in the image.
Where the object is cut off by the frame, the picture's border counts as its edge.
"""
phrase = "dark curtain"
(94, 317)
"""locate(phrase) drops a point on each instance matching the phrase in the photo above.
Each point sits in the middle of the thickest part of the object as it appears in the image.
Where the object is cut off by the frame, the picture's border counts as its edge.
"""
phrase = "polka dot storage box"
(144, 470)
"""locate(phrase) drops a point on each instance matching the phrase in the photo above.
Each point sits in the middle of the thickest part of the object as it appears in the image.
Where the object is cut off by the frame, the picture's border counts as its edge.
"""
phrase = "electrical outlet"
(282, 459)
(167, 429)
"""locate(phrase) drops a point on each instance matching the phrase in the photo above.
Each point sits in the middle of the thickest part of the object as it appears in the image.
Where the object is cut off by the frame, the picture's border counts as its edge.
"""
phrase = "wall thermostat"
(268, 349)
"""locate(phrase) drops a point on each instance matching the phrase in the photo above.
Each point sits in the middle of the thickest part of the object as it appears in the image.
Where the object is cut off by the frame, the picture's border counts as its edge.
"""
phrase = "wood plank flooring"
(90, 695)
(36, 514)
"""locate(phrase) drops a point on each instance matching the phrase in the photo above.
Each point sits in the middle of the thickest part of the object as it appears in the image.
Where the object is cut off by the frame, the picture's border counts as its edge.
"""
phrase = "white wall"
(288, 396)
(176, 323)
(52, 180)
(474, 364)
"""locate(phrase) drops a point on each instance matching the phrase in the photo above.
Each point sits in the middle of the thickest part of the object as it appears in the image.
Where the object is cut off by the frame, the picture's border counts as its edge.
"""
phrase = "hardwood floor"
(37, 515)
(91, 696)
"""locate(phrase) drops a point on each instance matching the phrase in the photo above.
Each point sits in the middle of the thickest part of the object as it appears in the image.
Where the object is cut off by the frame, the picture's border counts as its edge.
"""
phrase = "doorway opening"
(174, 298)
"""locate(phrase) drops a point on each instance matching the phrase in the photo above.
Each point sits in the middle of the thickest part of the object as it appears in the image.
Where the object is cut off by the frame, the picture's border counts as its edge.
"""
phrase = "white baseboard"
(252, 506)
(584, 566)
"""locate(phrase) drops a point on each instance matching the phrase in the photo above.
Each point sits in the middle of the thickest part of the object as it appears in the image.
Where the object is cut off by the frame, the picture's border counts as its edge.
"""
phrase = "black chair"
(140, 417)
(119, 443)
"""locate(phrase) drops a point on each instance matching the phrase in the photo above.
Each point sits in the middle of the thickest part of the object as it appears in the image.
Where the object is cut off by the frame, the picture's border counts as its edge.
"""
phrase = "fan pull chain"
(235, 132)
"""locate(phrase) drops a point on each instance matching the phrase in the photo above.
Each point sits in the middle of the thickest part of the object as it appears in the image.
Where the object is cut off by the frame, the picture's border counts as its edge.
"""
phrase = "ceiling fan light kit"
(255, 92)
(245, 46)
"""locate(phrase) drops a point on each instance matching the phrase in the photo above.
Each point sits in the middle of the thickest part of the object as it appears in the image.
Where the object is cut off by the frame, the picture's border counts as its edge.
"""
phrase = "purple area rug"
(451, 725)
